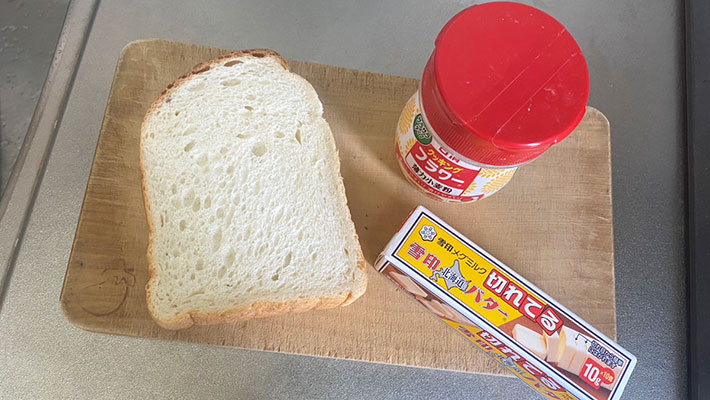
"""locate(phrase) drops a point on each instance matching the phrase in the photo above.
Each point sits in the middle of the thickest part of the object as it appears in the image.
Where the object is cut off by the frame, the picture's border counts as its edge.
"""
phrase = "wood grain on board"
(552, 224)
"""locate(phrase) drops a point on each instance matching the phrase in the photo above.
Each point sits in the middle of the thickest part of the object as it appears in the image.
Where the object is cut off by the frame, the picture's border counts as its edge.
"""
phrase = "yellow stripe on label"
(457, 269)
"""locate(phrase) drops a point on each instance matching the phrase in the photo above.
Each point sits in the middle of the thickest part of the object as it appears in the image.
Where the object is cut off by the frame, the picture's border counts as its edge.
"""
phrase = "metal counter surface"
(28, 37)
(634, 51)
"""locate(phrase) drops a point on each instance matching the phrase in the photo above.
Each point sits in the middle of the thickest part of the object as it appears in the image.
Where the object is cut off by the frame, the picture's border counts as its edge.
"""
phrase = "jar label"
(437, 171)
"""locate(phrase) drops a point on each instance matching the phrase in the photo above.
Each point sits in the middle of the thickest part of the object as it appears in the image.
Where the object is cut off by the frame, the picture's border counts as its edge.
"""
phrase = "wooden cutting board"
(552, 223)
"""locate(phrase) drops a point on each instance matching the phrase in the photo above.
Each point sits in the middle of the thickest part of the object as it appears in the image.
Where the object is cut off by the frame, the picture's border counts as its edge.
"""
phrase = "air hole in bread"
(347, 253)
(196, 205)
(279, 214)
(275, 277)
(202, 160)
(217, 240)
(232, 63)
(259, 150)
(249, 108)
(229, 260)
(230, 170)
(196, 87)
(189, 197)
(223, 150)
(231, 82)
(251, 97)
(220, 213)
(258, 54)
(173, 189)
(298, 136)
(183, 225)
(177, 113)
(220, 274)
(279, 134)
(189, 146)
(243, 136)
(208, 202)
(287, 261)
(189, 130)
(200, 265)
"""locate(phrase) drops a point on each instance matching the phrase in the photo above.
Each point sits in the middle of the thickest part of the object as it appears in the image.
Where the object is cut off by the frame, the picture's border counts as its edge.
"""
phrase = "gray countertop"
(28, 38)
(634, 51)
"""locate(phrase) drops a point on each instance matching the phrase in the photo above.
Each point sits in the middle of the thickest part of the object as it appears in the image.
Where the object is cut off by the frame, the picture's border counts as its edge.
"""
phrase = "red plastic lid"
(505, 82)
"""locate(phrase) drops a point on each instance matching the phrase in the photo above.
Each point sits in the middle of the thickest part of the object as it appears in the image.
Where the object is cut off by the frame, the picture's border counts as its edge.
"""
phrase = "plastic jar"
(504, 83)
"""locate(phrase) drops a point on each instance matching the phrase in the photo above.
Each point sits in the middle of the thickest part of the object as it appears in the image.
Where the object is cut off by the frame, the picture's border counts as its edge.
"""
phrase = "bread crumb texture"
(245, 198)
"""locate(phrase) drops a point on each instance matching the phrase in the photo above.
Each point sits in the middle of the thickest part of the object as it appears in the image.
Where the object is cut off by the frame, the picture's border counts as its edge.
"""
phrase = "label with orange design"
(537, 339)
(429, 165)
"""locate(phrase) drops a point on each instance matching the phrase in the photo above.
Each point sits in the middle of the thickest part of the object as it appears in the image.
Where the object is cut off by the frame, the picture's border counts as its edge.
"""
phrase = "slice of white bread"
(245, 204)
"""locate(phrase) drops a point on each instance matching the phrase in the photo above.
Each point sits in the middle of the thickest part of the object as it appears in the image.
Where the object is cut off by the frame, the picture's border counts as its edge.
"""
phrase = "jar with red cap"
(504, 83)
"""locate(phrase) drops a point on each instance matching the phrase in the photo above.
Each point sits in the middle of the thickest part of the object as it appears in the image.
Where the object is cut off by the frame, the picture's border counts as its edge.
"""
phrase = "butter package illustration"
(532, 335)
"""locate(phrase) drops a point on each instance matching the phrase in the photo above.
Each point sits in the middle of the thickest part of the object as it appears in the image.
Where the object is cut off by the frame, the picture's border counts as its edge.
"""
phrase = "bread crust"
(258, 309)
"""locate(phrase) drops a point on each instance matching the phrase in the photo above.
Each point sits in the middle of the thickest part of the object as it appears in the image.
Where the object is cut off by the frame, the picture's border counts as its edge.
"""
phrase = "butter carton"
(532, 335)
